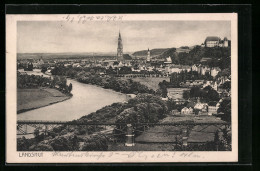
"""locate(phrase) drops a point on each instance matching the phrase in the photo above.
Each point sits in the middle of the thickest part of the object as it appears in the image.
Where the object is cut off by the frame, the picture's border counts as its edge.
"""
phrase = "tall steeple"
(119, 37)
(120, 48)
(148, 59)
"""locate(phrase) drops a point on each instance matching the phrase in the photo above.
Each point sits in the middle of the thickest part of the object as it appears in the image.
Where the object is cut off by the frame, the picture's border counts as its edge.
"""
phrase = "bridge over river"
(133, 133)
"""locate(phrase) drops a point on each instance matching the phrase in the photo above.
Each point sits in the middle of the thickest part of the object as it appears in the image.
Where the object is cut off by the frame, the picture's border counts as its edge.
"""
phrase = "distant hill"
(153, 52)
(213, 57)
(163, 52)
(182, 49)
(127, 57)
(216, 57)
(64, 55)
(170, 52)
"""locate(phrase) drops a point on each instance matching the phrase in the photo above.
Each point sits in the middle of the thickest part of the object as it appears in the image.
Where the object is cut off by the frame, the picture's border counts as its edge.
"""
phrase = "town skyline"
(60, 37)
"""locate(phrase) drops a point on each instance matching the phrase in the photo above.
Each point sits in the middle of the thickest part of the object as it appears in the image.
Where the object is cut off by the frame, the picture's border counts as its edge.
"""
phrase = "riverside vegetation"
(142, 108)
(147, 106)
(91, 76)
(36, 81)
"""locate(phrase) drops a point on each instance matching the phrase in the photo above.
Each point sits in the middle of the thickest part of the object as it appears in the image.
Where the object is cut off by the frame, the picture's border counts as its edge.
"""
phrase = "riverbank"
(34, 98)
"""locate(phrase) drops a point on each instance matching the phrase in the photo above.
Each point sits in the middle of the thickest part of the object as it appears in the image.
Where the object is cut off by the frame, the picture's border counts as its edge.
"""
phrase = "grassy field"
(28, 99)
(150, 82)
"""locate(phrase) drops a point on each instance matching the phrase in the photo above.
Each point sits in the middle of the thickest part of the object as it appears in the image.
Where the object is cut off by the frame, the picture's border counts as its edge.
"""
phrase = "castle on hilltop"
(213, 41)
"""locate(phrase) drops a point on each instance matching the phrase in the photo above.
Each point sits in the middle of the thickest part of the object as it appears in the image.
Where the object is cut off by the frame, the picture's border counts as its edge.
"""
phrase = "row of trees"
(125, 86)
(206, 94)
(163, 88)
(72, 71)
(35, 81)
(143, 108)
(177, 78)
(90, 76)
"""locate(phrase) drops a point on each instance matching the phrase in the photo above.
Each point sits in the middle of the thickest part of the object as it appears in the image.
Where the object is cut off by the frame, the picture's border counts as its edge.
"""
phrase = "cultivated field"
(28, 99)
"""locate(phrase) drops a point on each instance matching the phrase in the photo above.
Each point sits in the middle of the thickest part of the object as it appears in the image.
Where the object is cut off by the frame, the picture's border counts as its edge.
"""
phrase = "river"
(86, 99)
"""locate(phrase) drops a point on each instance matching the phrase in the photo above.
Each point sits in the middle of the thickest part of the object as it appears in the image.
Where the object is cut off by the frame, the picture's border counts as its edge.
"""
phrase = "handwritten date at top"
(81, 19)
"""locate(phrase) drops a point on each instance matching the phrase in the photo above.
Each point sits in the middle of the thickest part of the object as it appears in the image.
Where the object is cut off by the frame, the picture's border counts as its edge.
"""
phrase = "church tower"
(120, 48)
(225, 42)
(148, 59)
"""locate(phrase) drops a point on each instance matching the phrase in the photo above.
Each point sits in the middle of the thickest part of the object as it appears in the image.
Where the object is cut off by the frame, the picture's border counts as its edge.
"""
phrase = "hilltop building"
(213, 41)
(120, 48)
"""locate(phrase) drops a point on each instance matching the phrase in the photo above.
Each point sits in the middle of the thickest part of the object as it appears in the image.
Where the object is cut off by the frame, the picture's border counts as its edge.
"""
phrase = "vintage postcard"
(121, 88)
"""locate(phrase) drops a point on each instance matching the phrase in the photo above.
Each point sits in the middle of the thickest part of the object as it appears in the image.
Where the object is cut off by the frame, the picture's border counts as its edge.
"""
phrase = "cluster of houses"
(192, 83)
(203, 70)
(164, 66)
(177, 68)
(192, 107)
(36, 63)
(165, 69)
(198, 108)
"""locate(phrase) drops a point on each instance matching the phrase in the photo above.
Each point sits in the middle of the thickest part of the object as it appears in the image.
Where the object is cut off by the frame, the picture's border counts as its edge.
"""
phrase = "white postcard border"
(12, 156)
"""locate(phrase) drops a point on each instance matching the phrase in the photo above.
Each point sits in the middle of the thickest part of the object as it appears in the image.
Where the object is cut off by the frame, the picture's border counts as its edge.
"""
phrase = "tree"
(164, 91)
(195, 92)
(213, 95)
(125, 70)
(225, 108)
(23, 144)
(186, 94)
(207, 88)
(227, 85)
(175, 80)
(38, 137)
(44, 69)
(70, 87)
(30, 67)
(171, 104)
(216, 140)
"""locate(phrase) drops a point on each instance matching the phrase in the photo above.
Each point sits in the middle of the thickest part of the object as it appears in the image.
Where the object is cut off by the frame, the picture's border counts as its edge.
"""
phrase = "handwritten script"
(128, 155)
(82, 19)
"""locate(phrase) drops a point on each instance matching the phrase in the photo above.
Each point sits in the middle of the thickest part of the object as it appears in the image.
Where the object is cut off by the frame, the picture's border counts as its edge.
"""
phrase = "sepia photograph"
(131, 83)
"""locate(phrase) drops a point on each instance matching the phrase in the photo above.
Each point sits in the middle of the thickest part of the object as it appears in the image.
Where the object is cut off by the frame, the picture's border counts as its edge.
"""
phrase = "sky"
(101, 36)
